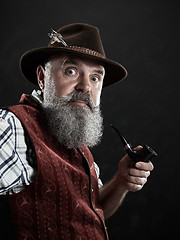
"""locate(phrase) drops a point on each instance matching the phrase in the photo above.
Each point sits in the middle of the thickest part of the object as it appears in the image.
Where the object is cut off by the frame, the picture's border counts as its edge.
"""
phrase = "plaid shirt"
(16, 161)
(15, 171)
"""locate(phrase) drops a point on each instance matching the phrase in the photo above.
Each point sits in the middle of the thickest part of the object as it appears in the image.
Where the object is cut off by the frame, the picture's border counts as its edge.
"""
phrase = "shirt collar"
(37, 95)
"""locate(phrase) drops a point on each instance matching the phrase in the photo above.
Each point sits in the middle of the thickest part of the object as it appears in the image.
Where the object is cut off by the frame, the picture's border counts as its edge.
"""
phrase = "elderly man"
(47, 171)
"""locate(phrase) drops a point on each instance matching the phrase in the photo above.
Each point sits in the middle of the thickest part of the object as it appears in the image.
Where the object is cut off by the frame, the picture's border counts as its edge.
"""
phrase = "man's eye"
(71, 71)
(95, 78)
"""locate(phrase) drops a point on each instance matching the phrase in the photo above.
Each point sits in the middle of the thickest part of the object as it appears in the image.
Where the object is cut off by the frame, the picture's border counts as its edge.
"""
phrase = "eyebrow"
(70, 61)
(101, 72)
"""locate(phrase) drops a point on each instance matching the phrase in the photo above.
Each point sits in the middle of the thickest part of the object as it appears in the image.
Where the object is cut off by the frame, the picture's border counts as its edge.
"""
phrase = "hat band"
(85, 50)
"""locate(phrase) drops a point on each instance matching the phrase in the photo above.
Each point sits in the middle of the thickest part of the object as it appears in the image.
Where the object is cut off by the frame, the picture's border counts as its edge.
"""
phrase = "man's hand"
(132, 176)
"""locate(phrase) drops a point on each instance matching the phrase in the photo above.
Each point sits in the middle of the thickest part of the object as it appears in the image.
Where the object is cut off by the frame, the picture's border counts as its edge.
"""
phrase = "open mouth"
(80, 102)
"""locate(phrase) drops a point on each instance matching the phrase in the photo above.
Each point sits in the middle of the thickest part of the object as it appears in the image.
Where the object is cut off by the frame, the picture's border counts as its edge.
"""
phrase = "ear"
(40, 77)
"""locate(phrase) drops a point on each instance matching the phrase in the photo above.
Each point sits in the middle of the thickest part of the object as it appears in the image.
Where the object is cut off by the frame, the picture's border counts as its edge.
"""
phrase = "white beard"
(73, 125)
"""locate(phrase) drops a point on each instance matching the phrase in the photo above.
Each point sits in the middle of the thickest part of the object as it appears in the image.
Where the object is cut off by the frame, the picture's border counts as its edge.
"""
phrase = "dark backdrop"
(143, 36)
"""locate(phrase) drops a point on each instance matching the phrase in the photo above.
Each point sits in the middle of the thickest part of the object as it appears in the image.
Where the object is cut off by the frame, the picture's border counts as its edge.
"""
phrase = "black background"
(144, 37)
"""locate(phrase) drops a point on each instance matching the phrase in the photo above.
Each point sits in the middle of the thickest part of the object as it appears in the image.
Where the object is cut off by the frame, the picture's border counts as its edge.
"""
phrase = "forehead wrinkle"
(70, 60)
(99, 71)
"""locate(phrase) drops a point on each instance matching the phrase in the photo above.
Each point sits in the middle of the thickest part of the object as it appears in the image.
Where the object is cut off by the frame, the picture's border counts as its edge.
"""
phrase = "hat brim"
(30, 60)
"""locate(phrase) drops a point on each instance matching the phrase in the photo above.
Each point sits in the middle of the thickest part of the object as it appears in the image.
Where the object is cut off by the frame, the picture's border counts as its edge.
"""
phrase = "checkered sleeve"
(15, 171)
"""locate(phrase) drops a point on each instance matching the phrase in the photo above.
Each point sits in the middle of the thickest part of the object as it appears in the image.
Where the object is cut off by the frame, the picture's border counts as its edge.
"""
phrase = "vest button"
(92, 190)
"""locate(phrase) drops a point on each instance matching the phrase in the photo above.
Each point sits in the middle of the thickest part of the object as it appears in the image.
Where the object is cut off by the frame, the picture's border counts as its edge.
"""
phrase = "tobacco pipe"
(143, 155)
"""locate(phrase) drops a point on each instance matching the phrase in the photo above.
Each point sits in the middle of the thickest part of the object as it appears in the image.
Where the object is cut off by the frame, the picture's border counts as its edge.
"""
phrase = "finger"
(138, 173)
(133, 187)
(146, 166)
(136, 180)
(139, 147)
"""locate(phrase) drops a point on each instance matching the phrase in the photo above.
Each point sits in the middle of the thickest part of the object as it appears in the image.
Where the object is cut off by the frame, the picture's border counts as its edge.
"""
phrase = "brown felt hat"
(80, 39)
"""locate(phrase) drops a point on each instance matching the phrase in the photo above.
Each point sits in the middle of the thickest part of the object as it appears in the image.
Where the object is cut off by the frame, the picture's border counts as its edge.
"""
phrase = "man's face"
(70, 74)
(71, 88)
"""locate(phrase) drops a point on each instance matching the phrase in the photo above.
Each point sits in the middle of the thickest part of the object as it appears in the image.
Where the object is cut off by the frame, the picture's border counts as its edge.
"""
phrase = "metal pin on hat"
(56, 37)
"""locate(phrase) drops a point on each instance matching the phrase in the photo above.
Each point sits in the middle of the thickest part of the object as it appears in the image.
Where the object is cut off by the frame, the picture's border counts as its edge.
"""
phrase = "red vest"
(62, 201)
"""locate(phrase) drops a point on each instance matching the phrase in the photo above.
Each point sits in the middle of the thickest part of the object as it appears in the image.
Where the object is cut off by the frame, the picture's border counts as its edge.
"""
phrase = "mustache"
(79, 96)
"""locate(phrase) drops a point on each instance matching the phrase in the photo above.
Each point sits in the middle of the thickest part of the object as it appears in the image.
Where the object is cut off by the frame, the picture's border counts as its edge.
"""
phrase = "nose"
(83, 84)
